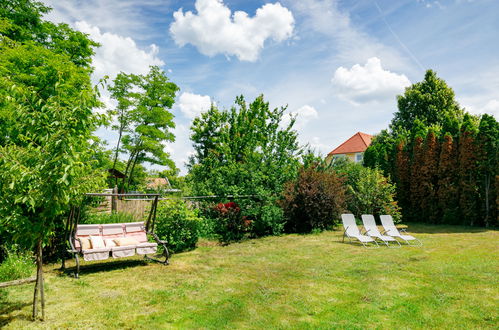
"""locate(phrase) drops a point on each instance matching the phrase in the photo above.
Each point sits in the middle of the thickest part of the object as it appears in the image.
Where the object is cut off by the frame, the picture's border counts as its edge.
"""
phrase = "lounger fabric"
(372, 229)
(351, 229)
(387, 222)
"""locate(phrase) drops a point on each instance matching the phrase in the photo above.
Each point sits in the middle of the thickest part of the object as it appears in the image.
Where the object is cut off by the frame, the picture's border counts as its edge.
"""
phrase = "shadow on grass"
(442, 229)
(103, 266)
(7, 307)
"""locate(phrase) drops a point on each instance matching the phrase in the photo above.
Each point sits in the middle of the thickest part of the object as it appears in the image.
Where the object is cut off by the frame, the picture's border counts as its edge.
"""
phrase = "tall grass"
(102, 218)
(16, 265)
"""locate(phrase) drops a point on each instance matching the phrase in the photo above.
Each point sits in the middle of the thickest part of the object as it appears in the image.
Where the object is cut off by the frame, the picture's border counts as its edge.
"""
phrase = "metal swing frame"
(74, 218)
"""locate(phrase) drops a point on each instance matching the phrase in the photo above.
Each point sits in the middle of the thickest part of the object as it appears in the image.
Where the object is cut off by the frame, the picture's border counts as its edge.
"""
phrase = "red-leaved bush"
(230, 225)
(314, 200)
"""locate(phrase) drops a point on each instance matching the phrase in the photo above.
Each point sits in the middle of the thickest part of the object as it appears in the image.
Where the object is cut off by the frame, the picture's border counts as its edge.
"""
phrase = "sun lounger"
(390, 229)
(352, 231)
(373, 231)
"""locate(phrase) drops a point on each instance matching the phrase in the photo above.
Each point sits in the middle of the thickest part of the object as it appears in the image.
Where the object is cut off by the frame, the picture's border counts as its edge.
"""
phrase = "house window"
(359, 157)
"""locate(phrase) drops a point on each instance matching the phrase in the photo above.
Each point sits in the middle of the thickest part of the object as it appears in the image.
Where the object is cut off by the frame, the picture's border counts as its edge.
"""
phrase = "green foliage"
(23, 23)
(314, 201)
(368, 191)
(379, 153)
(177, 224)
(245, 151)
(16, 265)
(103, 218)
(444, 161)
(267, 217)
(488, 167)
(46, 123)
(45, 159)
(431, 101)
(144, 121)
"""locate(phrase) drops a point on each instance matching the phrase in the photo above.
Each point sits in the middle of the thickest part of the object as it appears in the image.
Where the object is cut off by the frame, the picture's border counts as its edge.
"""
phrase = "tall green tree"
(431, 101)
(144, 118)
(246, 150)
(46, 121)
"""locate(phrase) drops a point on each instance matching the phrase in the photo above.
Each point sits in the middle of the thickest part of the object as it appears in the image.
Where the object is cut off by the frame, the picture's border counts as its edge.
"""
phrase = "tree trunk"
(117, 148)
(132, 155)
(39, 282)
(130, 176)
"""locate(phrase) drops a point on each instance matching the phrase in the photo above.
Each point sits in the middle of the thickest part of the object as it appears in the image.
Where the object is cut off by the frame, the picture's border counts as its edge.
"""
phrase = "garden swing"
(96, 242)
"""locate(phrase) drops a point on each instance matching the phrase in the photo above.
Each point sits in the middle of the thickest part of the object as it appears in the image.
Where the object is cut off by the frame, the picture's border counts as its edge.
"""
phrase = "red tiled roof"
(357, 143)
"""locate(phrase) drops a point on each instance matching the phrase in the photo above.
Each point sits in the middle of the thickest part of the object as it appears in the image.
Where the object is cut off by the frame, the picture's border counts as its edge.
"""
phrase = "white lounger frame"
(352, 231)
(390, 229)
(371, 229)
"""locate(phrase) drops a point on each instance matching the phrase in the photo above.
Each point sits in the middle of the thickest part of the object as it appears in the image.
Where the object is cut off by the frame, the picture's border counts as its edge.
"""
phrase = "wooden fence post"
(114, 206)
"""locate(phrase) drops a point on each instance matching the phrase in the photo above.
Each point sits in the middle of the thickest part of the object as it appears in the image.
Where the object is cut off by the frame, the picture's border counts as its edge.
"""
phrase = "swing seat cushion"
(121, 239)
(147, 248)
(96, 254)
(85, 243)
(125, 241)
(123, 251)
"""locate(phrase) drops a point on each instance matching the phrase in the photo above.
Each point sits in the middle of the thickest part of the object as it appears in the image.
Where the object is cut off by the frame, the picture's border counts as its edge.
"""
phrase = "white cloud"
(477, 106)
(492, 107)
(118, 53)
(368, 83)
(181, 149)
(215, 30)
(191, 105)
(305, 114)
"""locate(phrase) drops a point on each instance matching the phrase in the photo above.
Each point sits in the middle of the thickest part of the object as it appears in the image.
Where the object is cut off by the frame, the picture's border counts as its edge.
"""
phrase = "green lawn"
(292, 281)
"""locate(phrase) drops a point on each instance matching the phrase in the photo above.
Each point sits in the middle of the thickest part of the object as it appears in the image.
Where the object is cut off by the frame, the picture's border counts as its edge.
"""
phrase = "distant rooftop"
(357, 143)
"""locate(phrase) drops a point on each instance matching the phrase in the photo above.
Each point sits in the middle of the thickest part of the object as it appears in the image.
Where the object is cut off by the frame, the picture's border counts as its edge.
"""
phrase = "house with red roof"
(352, 149)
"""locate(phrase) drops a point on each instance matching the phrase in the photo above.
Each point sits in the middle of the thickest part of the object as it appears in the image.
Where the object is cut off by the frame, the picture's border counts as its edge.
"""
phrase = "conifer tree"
(429, 171)
(416, 188)
(488, 163)
(403, 177)
(447, 192)
(468, 189)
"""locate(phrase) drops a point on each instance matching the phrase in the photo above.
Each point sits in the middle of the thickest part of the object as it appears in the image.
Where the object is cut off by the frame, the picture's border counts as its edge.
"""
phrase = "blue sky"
(338, 65)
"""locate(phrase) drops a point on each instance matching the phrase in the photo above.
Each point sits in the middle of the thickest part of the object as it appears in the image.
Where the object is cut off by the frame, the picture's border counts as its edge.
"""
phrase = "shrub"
(17, 265)
(313, 201)
(369, 192)
(177, 224)
(268, 219)
(229, 223)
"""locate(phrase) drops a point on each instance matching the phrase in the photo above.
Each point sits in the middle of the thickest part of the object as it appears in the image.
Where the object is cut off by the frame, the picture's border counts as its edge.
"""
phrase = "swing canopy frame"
(95, 242)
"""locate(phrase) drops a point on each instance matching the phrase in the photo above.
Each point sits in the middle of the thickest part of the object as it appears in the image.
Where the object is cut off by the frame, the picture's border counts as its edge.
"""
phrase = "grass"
(292, 281)
(16, 265)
